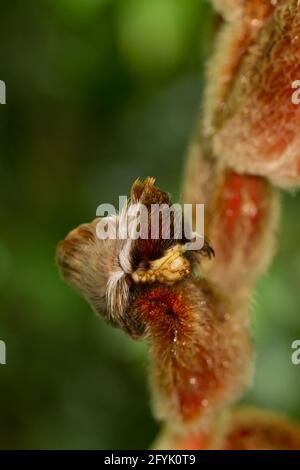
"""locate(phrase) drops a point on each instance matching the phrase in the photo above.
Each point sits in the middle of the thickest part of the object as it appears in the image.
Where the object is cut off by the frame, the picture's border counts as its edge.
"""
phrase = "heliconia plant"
(194, 307)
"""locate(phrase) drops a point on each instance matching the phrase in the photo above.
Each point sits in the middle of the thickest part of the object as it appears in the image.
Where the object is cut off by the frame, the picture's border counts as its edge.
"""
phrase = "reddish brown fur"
(241, 429)
(257, 130)
(242, 219)
(196, 369)
(255, 430)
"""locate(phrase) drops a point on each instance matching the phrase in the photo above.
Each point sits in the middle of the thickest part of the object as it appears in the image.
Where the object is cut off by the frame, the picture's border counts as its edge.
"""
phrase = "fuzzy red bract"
(257, 131)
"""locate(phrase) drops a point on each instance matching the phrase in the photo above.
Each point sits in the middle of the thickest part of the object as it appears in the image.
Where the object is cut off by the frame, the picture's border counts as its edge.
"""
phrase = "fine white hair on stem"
(117, 293)
(128, 222)
(117, 288)
(124, 257)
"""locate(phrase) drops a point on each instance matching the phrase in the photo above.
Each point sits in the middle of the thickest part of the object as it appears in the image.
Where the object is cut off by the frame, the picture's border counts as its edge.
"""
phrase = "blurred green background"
(100, 92)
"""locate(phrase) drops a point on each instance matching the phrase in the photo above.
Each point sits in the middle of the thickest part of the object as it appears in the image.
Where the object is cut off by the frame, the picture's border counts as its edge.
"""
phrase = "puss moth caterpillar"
(199, 341)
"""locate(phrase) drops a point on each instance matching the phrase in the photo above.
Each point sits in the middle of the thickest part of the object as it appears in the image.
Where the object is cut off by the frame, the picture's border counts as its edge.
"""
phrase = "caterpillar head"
(111, 271)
